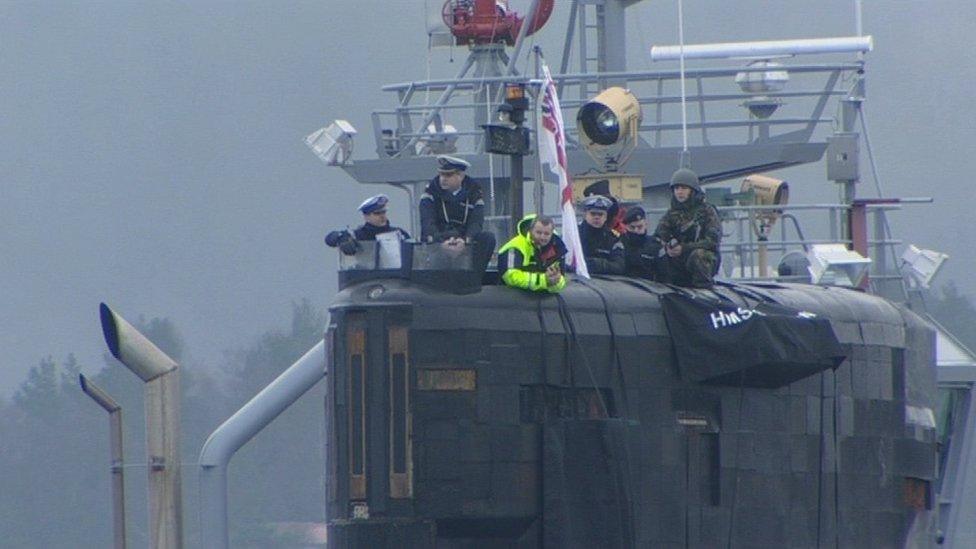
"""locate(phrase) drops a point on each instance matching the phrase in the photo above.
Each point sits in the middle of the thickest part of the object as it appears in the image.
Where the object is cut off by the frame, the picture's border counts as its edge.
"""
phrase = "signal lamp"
(767, 191)
(608, 126)
(514, 91)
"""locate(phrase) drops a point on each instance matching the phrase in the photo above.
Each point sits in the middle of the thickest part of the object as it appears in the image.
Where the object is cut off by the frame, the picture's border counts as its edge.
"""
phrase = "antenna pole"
(685, 156)
(539, 189)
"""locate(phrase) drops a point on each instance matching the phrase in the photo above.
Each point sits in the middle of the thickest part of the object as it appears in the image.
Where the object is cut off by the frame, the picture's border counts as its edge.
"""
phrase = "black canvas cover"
(757, 345)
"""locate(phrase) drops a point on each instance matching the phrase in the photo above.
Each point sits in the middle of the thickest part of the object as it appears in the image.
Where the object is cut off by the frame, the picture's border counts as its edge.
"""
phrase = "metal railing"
(394, 129)
(795, 231)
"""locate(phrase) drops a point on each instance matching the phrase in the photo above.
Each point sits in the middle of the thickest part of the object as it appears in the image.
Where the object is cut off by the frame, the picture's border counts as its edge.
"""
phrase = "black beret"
(634, 213)
(598, 187)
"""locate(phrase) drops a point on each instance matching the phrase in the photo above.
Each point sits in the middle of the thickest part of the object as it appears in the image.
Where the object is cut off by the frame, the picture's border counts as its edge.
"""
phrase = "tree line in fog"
(55, 486)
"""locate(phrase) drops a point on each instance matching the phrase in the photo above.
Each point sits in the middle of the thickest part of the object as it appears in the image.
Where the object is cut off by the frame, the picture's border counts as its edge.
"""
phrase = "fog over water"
(151, 153)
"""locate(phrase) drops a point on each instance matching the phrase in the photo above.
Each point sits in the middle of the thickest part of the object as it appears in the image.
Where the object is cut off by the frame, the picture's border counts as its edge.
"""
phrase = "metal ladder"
(587, 31)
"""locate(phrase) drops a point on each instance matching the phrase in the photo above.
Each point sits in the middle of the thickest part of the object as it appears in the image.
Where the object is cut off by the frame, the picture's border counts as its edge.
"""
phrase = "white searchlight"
(333, 143)
(608, 126)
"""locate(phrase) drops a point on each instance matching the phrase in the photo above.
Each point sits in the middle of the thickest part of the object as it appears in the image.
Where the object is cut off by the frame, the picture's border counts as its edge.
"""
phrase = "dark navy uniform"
(445, 214)
(456, 213)
(642, 252)
(369, 232)
(346, 241)
(601, 246)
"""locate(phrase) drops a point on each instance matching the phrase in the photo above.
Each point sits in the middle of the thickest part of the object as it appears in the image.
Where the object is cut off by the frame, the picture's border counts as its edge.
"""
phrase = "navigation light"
(760, 83)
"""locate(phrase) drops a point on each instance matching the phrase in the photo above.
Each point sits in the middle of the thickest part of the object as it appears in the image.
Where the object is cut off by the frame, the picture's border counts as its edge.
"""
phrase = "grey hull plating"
(502, 418)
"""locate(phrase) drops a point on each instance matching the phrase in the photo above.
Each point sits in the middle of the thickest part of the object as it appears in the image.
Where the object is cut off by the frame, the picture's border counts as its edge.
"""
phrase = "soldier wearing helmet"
(691, 232)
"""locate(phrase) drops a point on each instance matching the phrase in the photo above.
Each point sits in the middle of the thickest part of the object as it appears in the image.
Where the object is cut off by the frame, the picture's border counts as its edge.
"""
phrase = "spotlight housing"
(333, 144)
(608, 126)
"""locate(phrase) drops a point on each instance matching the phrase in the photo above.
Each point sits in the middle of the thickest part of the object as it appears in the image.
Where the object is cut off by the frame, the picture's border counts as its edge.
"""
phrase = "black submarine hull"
(508, 419)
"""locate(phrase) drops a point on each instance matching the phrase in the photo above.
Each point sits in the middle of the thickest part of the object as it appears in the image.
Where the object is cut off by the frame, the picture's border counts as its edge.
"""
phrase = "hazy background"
(151, 153)
(151, 157)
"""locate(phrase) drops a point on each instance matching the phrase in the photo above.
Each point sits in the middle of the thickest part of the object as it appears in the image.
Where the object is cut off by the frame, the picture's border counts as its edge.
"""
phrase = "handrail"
(573, 103)
(409, 121)
(433, 85)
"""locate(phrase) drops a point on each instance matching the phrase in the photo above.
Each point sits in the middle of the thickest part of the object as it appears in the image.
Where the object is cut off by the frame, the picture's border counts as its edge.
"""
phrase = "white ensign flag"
(552, 151)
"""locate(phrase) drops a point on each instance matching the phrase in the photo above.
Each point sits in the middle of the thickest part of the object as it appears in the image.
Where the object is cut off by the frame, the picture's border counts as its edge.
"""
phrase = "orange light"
(514, 91)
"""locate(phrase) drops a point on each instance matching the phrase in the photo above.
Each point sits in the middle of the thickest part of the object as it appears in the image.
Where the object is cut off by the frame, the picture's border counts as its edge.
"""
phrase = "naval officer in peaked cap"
(602, 249)
(448, 164)
(452, 211)
(375, 222)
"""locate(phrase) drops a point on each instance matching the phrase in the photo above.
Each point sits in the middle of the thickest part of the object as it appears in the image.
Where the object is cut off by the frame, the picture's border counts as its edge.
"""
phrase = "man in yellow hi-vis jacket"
(533, 259)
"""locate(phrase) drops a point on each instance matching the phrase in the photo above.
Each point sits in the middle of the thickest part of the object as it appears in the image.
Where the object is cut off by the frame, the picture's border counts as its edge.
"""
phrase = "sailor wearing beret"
(601, 247)
(452, 211)
(375, 221)
(641, 250)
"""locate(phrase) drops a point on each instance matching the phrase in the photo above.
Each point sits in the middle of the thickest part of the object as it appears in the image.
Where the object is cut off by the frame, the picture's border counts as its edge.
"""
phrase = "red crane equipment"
(490, 21)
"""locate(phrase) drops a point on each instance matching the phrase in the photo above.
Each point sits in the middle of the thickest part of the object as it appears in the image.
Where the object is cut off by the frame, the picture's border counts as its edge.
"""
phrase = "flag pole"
(552, 151)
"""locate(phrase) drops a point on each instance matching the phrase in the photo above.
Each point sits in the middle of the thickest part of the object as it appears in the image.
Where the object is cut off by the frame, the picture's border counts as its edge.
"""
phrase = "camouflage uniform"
(696, 226)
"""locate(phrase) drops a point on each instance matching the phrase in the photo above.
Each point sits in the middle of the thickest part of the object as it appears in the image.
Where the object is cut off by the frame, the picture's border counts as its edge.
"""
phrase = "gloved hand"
(335, 238)
(449, 234)
(349, 246)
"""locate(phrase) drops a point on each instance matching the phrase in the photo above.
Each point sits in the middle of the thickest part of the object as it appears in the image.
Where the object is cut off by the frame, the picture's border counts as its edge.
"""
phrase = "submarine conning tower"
(622, 413)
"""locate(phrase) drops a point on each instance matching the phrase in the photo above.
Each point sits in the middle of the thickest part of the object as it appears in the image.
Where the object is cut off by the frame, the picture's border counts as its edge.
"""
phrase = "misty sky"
(151, 153)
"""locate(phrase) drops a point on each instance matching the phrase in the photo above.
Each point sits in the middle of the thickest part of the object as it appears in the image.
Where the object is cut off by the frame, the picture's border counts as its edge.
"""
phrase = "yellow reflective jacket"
(519, 261)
